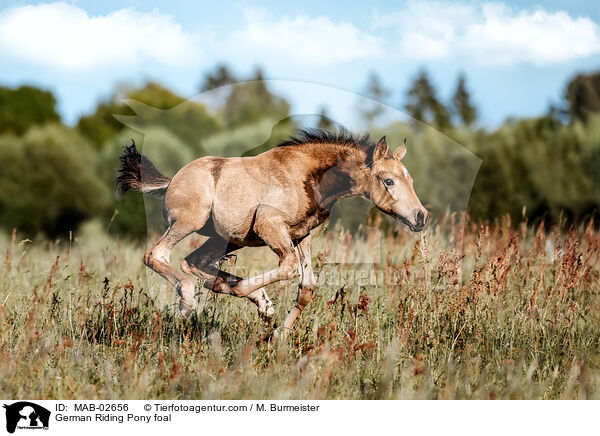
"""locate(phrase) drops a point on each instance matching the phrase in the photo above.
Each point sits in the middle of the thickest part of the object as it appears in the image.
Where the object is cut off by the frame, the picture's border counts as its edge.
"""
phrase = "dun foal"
(274, 199)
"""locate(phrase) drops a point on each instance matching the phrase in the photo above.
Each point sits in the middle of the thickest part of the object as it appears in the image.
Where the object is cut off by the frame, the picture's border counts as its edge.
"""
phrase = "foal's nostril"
(420, 217)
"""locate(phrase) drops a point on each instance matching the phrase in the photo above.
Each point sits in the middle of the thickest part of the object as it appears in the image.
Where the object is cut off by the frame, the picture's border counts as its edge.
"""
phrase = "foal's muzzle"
(420, 217)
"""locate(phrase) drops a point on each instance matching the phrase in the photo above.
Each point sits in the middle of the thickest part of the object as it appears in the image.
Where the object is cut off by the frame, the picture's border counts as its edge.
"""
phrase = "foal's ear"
(399, 154)
(381, 149)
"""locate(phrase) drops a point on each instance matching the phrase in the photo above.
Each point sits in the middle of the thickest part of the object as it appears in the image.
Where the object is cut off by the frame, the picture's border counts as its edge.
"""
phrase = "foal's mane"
(343, 137)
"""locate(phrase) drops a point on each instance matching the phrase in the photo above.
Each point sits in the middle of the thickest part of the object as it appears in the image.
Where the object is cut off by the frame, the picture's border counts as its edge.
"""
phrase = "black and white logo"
(26, 415)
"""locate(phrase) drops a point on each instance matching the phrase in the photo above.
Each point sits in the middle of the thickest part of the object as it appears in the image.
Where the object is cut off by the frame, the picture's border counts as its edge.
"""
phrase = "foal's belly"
(235, 206)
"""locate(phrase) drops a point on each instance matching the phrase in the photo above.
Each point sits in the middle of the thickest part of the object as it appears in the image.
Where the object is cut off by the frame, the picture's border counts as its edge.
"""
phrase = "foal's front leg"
(270, 226)
(204, 263)
(306, 287)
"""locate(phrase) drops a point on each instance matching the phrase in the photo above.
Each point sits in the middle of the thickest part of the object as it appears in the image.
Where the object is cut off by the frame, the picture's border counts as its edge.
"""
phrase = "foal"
(274, 199)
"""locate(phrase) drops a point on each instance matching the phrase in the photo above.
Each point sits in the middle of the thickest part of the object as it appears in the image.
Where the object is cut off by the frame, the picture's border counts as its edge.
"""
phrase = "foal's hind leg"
(203, 263)
(157, 259)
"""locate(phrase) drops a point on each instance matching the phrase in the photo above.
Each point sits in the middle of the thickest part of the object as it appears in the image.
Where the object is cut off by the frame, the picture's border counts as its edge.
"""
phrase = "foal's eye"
(388, 182)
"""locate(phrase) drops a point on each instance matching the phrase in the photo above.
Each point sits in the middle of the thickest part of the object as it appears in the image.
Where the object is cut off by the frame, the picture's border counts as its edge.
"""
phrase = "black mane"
(343, 137)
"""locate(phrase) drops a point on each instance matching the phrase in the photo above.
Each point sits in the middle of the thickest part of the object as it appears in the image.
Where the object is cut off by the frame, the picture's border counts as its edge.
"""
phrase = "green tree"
(462, 106)
(423, 104)
(49, 181)
(101, 125)
(24, 107)
(252, 101)
(583, 96)
(325, 122)
(150, 105)
(220, 77)
(376, 91)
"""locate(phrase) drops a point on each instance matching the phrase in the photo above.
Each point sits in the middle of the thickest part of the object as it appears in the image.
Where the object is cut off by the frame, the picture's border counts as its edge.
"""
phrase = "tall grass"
(469, 311)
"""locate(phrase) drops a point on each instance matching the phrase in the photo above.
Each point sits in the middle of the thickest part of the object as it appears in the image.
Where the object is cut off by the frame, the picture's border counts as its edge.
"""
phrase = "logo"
(26, 415)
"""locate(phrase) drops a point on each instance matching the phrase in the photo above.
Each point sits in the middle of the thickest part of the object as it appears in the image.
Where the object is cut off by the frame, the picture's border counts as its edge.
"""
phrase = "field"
(460, 312)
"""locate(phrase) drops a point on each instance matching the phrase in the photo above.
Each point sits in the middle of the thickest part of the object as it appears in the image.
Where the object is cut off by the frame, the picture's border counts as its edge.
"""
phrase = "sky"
(517, 56)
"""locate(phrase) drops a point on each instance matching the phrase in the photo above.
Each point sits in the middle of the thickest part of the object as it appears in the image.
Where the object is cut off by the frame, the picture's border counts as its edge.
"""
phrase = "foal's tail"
(137, 172)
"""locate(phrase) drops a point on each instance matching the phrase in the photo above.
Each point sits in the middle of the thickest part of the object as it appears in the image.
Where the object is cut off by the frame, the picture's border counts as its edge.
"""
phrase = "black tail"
(137, 172)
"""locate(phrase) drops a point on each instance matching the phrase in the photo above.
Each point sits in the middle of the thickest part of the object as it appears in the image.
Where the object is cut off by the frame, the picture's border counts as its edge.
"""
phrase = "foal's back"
(229, 190)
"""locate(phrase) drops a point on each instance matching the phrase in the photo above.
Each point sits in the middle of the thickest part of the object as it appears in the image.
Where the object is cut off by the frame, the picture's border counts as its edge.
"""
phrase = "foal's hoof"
(266, 310)
(267, 313)
(187, 309)
(267, 316)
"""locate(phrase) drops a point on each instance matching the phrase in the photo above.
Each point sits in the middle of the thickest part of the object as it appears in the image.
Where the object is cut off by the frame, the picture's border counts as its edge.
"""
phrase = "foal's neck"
(340, 172)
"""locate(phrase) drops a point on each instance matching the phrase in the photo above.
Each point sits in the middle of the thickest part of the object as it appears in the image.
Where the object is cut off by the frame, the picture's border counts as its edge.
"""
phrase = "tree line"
(422, 102)
(53, 177)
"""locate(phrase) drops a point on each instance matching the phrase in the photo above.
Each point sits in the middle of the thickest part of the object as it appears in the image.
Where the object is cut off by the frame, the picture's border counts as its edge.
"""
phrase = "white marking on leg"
(263, 303)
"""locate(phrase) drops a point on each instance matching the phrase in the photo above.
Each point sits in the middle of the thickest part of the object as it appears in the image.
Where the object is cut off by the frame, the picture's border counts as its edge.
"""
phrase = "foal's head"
(391, 187)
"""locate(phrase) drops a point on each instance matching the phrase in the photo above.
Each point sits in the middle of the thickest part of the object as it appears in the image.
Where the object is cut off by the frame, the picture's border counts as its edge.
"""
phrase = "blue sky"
(517, 56)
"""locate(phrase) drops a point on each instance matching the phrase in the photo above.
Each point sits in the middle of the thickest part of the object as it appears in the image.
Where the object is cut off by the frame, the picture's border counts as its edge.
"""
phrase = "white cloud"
(303, 40)
(63, 36)
(491, 33)
(66, 37)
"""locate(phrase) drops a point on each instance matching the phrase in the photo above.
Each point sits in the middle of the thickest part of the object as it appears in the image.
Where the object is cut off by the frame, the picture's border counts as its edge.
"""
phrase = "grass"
(469, 312)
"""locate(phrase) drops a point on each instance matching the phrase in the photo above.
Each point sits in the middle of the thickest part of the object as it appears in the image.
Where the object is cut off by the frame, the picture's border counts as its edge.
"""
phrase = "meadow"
(462, 311)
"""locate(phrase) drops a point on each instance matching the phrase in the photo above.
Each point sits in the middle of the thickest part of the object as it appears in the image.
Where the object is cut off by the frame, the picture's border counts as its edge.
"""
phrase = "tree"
(461, 103)
(375, 90)
(154, 105)
(24, 107)
(101, 125)
(252, 101)
(49, 181)
(423, 105)
(325, 122)
(583, 96)
(221, 76)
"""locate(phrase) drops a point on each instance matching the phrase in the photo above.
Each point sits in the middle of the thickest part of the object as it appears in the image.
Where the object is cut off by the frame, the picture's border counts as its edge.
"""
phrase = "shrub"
(48, 181)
